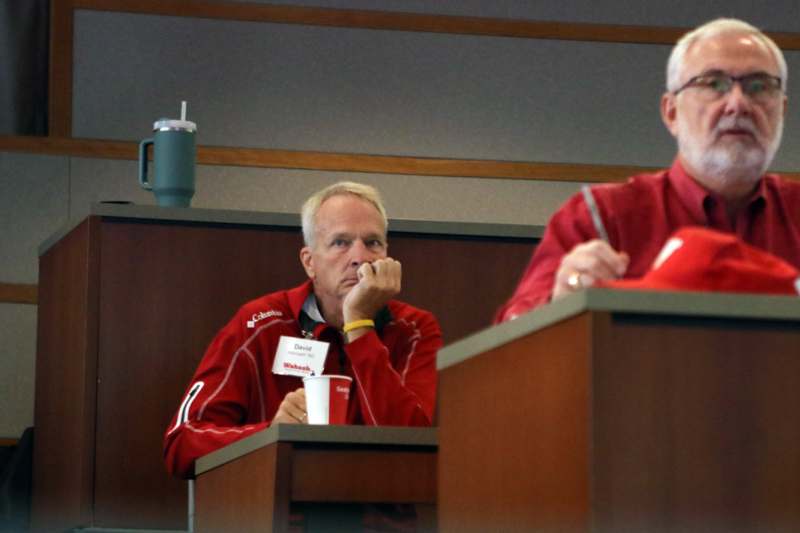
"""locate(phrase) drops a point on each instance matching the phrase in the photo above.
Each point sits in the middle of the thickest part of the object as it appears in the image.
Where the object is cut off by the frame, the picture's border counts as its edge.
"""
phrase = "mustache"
(743, 123)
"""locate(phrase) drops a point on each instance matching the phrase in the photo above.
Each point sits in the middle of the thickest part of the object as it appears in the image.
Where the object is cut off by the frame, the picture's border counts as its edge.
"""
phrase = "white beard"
(729, 166)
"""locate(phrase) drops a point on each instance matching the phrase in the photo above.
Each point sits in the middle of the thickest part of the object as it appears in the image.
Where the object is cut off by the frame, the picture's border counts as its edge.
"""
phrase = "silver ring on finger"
(574, 281)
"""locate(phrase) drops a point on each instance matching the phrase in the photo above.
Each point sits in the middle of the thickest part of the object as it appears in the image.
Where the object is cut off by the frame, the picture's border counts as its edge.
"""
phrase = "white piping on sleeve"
(414, 338)
(252, 360)
(218, 431)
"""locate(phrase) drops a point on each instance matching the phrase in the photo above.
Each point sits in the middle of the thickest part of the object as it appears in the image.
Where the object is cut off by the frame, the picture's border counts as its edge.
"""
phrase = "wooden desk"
(129, 299)
(250, 484)
(625, 411)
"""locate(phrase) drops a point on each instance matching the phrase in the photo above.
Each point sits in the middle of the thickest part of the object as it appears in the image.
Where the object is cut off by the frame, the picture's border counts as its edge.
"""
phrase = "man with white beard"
(724, 104)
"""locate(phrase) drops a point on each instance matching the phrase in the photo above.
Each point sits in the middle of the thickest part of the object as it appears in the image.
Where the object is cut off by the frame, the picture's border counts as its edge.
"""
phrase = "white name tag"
(300, 357)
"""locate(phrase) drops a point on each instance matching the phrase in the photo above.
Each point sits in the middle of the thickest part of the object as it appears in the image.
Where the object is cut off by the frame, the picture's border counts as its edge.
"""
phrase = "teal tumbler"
(174, 156)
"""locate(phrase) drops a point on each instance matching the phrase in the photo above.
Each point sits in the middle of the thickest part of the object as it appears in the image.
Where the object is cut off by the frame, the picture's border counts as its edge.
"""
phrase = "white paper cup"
(327, 398)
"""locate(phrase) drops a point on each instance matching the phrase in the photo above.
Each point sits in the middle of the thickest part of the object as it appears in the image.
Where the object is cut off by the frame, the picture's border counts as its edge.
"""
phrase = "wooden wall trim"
(19, 293)
(399, 21)
(342, 162)
(417, 166)
(329, 161)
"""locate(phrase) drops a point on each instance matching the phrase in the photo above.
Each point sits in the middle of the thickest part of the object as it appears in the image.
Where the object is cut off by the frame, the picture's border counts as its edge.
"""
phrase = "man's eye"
(339, 242)
(374, 243)
(756, 86)
(717, 84)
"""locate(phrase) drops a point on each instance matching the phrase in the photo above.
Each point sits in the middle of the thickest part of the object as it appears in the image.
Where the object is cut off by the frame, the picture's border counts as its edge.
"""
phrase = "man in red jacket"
(724, 104)
(247, 380)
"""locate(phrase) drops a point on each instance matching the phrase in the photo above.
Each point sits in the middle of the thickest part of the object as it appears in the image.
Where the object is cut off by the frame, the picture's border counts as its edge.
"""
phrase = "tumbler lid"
(167, 124)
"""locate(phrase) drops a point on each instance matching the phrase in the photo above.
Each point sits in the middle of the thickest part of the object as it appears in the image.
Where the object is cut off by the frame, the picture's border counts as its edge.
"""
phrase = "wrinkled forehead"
(732, 52)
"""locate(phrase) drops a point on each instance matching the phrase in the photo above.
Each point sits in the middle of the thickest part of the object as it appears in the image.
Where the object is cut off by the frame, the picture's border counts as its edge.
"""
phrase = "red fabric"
(700, 259)
(394, 375)
(642, 213)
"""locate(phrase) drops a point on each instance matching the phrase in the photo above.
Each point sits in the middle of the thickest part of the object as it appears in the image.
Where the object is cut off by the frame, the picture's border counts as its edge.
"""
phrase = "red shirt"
(642, 213)
(234, 392)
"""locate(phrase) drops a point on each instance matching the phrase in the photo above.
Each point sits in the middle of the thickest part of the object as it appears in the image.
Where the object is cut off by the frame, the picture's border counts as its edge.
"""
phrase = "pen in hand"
(588, 197)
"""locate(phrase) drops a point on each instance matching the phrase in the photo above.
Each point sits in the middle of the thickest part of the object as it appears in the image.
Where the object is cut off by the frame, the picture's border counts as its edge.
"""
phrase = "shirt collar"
(697, 198)
(311, 308)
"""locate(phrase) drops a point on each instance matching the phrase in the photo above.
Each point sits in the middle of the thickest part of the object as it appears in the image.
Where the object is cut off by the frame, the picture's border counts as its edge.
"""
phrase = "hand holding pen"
(589, 261)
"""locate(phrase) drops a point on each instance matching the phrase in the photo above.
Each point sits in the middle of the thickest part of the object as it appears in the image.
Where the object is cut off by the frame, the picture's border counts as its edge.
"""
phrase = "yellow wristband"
(355, 324)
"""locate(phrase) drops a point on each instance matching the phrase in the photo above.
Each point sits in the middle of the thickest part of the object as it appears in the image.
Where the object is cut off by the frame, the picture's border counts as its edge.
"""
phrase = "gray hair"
(712, 29)
(308, 213)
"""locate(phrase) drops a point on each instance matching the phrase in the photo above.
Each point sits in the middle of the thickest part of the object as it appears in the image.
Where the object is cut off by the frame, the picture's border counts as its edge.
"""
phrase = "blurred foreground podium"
(625, 411)
(250, 485)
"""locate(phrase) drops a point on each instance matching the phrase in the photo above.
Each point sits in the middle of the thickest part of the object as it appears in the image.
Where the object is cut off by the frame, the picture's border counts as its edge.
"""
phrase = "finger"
(616, 261)
(365, 272)
(562, 285)
(596, 258)
(597, 248)
(626, 260)
(383, 266)
(299, 415)
(294, 404)
(585, 264)
(387, 272)
(381, 279)
(379, 268)
(397, 275)
(297, 399)
(300, 399)
(594, 266)
(568, 279)
(284, 417)
(391, 266)
(585, 280)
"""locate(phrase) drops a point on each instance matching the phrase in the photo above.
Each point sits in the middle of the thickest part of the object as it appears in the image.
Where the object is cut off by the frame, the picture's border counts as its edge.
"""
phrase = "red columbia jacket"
(234, 393)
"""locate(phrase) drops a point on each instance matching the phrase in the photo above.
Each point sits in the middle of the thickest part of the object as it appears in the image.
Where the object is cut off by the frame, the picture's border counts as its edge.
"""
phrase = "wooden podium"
(250, 485)
(625, 411)
(131, 296)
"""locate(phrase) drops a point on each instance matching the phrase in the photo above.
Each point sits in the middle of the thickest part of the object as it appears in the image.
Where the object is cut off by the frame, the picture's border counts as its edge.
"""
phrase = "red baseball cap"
(700, 259)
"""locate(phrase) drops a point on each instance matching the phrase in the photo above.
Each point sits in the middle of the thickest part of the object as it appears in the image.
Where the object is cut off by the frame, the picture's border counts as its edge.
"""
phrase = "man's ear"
(307, 261)
(669, 113)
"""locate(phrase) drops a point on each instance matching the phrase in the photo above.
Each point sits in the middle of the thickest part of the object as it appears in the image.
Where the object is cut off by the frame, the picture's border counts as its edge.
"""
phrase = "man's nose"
(360, 253)
(737, 102)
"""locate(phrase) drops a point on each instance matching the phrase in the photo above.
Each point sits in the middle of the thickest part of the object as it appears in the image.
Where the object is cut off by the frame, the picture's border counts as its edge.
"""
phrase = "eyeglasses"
(759, 86)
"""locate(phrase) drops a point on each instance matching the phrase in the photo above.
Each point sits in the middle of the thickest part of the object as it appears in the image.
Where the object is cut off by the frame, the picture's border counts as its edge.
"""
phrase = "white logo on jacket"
(261, 315)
